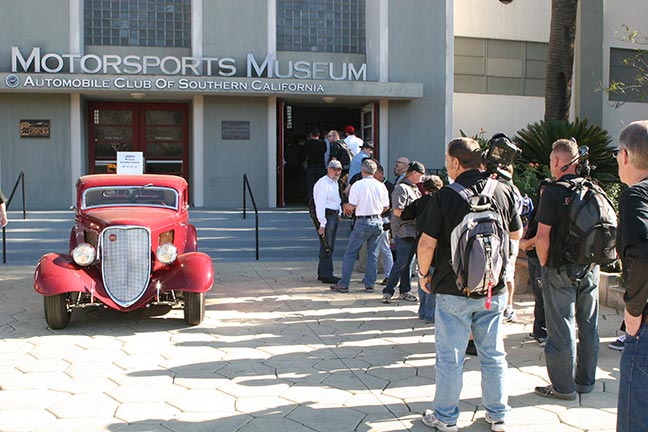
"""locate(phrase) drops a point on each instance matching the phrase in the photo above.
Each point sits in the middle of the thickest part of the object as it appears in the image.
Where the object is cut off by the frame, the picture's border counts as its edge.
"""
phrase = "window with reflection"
(137, 23)
(336, 26)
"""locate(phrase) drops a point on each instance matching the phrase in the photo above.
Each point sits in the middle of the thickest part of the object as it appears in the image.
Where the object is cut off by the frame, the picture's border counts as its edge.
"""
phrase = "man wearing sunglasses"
(632, 247)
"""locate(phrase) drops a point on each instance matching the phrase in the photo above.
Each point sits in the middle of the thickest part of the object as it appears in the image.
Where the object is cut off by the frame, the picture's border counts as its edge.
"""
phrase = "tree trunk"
(560, 59)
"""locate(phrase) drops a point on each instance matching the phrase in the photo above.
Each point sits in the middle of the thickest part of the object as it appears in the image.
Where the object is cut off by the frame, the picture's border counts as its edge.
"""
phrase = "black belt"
(368, 217)
(331, 211)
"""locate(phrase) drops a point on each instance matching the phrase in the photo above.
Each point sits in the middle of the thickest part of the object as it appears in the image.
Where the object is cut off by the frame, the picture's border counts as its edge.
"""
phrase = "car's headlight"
(84, 254)
(167, 253)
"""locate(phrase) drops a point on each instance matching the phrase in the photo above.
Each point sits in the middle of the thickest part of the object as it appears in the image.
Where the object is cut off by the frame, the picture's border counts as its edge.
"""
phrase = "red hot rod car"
(131, 246)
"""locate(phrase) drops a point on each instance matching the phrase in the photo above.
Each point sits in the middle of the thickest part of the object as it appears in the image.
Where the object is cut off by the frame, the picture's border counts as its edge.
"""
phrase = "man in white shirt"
(369, 198)
(326, 196)
(351, 140)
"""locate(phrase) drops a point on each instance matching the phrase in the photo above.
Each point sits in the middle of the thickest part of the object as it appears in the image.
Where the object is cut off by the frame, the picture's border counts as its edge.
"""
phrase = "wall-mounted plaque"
(34, 128)
(235, 130)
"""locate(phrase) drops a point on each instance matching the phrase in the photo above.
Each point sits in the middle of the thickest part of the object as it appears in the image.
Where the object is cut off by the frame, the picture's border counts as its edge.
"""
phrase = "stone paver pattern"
(277, 352)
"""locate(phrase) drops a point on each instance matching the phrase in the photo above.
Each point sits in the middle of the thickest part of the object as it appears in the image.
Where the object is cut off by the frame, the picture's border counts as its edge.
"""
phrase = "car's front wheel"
(57, 313)
(194, 307)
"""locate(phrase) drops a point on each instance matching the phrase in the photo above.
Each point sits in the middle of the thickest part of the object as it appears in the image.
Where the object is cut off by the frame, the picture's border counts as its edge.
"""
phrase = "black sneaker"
(618, 344)
(339, 288)
(550, 392)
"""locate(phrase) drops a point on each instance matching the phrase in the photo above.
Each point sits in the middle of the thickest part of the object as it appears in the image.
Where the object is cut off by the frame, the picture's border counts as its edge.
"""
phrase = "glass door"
(160, 131)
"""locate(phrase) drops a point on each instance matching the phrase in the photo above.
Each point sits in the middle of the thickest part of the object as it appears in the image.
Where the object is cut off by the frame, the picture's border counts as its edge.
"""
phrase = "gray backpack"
(479, 244)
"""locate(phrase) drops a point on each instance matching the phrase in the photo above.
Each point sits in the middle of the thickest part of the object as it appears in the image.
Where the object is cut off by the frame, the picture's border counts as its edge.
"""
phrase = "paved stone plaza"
(276, 352)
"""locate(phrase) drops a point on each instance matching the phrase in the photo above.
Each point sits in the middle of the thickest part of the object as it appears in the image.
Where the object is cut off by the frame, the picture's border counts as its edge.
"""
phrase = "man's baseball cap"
(335, 164)
(416, 166)
(368, 144)
(349, 129)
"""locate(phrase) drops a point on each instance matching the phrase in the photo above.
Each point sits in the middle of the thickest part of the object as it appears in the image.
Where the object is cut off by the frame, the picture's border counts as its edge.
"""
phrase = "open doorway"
(294, 121)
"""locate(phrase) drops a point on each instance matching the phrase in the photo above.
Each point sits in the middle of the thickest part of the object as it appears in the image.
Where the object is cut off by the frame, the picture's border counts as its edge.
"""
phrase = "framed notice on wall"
(34, 128)
(235, 130)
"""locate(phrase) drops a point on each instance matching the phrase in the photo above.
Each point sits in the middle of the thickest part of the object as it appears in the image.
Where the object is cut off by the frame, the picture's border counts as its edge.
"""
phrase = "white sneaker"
(496, 425)
(509, 314)
(429, 419)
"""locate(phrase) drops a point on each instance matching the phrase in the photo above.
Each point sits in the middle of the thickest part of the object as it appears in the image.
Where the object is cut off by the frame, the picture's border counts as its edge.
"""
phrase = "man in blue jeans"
(404, 234)
(632, 246)
(369, 198)
(568, 289)
(456, 313)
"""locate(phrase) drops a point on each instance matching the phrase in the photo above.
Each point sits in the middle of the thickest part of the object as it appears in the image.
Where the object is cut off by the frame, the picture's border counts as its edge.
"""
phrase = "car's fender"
(192, 271)
(57, 274)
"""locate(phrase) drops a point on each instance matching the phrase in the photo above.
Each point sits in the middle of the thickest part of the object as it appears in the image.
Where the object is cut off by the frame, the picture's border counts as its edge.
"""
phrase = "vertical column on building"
(449, 79)
(76, 47)
(272, 109)
(377, 13)
(197, 112)
(588, 63)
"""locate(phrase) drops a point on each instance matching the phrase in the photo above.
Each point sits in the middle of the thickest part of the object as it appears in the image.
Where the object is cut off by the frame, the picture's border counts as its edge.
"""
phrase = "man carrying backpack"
(473, 296)
(569, 277)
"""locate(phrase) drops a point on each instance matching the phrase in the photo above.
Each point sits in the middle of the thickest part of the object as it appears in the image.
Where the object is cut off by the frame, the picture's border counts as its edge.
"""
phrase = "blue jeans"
(427, 304)
(385, 252)
(572, 293)
(405, 250)
(632, 412)
(456, 317)
(365, 230)
(325, 266)
(535, 273)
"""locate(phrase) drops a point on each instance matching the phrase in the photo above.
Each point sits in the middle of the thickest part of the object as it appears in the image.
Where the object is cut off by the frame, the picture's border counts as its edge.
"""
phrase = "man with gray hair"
(369, 198)
(632, 247)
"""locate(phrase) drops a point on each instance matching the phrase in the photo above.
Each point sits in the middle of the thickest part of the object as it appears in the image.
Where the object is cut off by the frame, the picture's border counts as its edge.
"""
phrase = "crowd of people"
(422, 217)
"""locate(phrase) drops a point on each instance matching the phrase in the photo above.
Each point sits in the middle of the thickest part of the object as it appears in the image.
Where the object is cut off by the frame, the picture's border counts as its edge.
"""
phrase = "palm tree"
(560, 59)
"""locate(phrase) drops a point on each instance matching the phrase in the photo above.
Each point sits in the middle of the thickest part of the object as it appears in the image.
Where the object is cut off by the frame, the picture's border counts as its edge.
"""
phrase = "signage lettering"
(37, 61)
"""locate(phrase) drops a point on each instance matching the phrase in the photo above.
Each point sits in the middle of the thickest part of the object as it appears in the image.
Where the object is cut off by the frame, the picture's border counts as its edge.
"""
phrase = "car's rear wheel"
(194, 307)
(57, 313)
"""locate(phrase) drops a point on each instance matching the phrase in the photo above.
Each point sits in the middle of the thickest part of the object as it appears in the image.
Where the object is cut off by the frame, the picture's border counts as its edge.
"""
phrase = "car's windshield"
(150, 196)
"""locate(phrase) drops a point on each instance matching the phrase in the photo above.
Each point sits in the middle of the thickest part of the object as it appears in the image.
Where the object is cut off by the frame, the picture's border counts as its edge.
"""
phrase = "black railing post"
(22, 174)
(21, 178)
(4, 245)
(246, 184)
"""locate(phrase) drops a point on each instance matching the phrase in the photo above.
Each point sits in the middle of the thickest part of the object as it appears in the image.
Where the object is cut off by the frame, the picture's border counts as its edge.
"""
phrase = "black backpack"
(341, 151)
(479, 243)
(589, 236)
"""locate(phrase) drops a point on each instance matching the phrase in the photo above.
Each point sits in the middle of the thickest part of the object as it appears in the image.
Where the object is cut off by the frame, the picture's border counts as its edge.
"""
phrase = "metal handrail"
(19, 180)
(246, 184)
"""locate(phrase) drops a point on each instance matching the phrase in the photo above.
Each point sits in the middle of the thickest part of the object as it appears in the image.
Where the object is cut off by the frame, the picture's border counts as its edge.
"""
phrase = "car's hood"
(141, 216)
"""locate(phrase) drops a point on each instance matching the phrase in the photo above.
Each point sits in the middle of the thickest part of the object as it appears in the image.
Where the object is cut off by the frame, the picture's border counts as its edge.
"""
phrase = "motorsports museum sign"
(36, 70)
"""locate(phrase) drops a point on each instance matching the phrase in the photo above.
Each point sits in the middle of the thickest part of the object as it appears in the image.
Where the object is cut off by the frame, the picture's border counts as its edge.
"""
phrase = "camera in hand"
(501, 153)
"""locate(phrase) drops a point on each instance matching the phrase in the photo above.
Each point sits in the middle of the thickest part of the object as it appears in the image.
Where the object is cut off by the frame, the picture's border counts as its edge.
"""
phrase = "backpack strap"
(489, 187)
(463, 192)
(466, 194)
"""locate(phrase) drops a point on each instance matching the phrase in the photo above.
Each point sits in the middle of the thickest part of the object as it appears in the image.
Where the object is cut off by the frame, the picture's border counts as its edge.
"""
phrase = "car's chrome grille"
(126, 262)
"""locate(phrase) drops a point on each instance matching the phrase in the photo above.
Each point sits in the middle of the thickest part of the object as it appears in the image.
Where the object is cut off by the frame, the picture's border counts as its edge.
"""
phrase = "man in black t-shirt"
(632, 247)
(456, 314)
(314, 150)
(569, 290)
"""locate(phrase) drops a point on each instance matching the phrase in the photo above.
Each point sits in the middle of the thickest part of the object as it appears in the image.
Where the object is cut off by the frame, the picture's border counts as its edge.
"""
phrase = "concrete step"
(284, 235)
